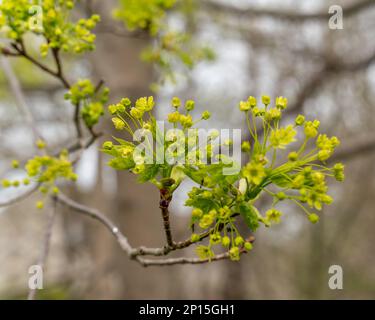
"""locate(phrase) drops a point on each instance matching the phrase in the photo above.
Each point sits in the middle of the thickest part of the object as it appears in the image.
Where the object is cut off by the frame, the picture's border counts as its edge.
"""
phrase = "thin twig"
(57, 74)
(184, 260)
(135, 253)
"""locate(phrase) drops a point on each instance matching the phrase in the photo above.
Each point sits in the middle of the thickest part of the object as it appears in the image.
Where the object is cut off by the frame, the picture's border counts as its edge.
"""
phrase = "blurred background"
(274, 47)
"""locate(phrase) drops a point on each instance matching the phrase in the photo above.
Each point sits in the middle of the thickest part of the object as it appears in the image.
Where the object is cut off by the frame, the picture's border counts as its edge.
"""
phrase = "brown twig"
(165, 200)
(135, 253)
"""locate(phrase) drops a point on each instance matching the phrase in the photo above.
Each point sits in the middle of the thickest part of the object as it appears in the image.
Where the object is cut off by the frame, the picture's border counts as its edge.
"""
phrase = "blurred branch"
(45, 245)
(21, 197)
(15, 87)
(217, 7)
(358, 148)
(136, 253)
(318, 80)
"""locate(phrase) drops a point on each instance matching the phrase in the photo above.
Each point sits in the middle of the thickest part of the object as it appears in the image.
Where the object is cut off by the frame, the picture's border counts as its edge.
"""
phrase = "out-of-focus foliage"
(143, 14)
(171, 47)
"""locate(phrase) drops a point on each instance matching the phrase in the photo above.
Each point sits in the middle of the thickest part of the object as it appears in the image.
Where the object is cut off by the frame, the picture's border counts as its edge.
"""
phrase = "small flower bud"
(238, 241)
(293, 156)
(15, 164)
(39, 205)
(196, 213)
(176, 102)
(244, 106)
(314, 218)
(245, 146)
(40, 144)
(266, 100)
(248, 246)
(194, 237)
(281, 103)
(118, 123)
(300, 120)
(108, 145)
(252, 101)
(189, 105)
(206, 115)
(225, 241)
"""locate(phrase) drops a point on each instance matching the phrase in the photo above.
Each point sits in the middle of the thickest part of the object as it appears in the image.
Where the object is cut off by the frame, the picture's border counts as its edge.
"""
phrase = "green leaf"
(201, 203)
(250, 215)
(124, 142)
(150, 172)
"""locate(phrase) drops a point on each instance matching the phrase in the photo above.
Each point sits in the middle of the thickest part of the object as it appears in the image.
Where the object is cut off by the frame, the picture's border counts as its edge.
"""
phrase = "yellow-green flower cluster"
(128, 117)
(214, 211)
(47, 169)
(184, 119)
(301, 171)
(171, 47)
(92, 100)
(51, 19)
(221, 197)
(175, 49)
(281, 137)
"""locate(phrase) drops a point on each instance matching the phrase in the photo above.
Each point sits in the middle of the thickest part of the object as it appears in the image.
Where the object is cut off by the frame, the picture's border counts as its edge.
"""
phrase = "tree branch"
(165, 200)
(21, 197)
(136, 253)
(19, 96)
(330, 68)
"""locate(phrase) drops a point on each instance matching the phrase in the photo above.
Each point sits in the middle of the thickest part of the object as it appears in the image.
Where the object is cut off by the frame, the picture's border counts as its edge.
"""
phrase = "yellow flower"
(197, 213)
(282, 137)
(245, 147)
(204, 252)
(118, 123)
(254, 172)
(174, 117)
(266, 100)
(206, 115)
(189, 105)
(281, 103)
(273, 216)
(234, 254)
(225, 241)
(252, 101)
(244, 106)
(136, 113)
(176, 102)
(186, 121)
